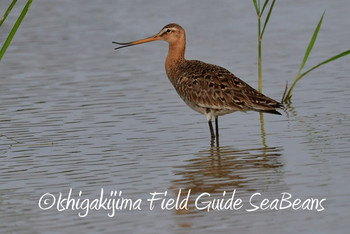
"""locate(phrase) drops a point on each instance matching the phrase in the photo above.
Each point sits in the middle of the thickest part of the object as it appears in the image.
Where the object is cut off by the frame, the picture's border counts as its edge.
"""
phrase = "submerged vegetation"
(287, 98)
(15, 26)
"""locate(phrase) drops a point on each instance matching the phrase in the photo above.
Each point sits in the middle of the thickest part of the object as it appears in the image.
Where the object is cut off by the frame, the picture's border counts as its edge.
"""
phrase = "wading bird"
(206, 88)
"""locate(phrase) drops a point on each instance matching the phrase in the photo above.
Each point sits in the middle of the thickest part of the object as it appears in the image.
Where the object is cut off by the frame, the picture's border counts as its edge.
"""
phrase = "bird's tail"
(272, 112)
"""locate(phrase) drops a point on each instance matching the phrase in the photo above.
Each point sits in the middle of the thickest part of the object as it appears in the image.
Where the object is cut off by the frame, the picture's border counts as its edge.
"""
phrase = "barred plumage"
(208, 89)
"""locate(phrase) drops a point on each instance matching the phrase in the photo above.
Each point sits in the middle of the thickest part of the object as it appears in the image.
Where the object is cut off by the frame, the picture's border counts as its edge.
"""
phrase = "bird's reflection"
(219, 169)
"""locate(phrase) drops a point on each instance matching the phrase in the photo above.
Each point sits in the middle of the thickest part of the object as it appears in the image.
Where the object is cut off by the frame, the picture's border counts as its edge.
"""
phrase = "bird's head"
(172, 33)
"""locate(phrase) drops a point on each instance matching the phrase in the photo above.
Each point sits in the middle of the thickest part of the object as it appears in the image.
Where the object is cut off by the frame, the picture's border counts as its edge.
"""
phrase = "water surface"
(76, 114)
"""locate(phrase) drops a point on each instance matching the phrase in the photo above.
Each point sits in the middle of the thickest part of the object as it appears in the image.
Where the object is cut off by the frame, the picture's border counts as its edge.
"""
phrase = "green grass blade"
(14, 29)
(7, 12)
(311, 44)
(324, 62)
(265, 4)
(256, 7)
(268, 17)
(288, 96)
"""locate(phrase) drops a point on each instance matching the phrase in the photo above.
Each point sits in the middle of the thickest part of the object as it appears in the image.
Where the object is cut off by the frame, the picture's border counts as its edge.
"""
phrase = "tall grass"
(15, 26)
(259, 11)
(261, 31)
(288, 97)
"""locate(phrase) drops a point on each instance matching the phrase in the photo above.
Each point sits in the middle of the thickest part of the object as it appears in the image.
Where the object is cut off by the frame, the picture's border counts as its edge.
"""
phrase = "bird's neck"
(176, 55)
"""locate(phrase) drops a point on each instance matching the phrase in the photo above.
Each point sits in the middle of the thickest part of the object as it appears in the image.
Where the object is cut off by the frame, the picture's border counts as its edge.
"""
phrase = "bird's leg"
(211, 129)
(209, 116)
(217, 130)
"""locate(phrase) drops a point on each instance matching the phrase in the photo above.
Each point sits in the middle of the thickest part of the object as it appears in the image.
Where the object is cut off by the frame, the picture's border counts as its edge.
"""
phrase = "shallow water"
(76, 114)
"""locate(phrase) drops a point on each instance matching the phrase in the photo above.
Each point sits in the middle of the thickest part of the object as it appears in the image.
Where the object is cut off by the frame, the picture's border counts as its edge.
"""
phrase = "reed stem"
(259, 54)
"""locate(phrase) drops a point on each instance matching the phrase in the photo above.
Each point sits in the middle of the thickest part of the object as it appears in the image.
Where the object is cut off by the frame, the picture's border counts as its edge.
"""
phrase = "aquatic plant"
(15, 26)
(288, 95)
(259, 13)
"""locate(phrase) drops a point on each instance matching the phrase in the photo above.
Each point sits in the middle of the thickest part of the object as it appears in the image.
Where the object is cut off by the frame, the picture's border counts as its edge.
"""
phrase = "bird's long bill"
(145, 40)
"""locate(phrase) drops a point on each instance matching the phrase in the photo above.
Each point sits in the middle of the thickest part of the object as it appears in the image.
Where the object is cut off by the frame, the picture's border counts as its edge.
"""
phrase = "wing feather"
(214, 87)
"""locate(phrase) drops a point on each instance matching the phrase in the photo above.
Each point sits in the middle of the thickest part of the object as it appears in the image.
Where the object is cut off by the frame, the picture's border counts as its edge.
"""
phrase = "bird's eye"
(168, 30)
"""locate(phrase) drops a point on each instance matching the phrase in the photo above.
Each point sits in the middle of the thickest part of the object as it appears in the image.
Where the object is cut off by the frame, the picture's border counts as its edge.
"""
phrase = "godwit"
(206, 88)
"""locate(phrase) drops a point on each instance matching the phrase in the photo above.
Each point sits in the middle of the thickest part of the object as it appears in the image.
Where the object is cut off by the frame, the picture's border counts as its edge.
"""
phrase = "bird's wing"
(214, 87)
